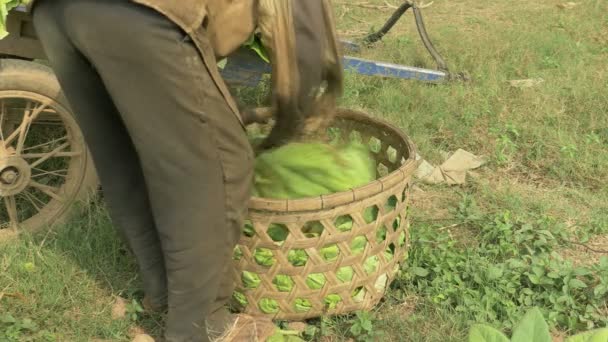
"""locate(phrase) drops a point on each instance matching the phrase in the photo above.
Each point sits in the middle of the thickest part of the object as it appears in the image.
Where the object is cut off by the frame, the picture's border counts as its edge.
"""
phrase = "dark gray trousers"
(174, 161)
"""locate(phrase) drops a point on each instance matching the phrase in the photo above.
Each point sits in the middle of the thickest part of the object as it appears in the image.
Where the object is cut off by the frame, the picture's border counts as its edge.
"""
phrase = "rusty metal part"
(15, 175)
(378, 35)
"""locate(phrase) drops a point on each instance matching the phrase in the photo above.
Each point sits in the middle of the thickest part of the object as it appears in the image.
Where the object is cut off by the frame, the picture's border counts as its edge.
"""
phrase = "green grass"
(65, 281)
(547, 167)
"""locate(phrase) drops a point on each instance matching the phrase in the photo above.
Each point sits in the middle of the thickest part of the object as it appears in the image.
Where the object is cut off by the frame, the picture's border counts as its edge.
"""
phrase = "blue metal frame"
(245, 68)
(374, 68)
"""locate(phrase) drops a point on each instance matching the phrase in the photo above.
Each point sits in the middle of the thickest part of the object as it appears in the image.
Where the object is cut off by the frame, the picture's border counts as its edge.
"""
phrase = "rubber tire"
(37, 78)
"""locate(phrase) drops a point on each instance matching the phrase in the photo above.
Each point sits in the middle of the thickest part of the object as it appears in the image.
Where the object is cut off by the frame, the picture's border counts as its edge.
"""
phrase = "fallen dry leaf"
(119, 308)
(297, 326)
(15, 295)
(559, 336)
(334, 339)
(136, 331)
(527, 83)
(453, 171)
(567, 5)
(143, 338)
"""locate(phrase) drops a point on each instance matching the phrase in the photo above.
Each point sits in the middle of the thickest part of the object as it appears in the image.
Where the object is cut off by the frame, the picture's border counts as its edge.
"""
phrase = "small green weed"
(22, 330)
(596, 226)
(569, 150)
(506, 143)
(362, 328)
(134, 310)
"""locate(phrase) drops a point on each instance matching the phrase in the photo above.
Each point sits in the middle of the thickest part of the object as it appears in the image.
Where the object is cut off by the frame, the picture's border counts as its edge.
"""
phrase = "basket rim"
(324, 202)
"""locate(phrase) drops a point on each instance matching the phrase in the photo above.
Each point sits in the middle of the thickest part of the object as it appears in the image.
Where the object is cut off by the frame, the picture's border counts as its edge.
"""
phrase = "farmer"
(168, 139)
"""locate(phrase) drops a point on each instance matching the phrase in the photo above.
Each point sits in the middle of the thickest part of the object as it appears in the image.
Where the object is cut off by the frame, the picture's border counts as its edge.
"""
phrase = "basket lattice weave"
(395, 157)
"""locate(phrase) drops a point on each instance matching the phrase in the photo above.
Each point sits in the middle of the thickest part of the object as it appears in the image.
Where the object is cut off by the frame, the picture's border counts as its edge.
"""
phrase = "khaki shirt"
(228, 23)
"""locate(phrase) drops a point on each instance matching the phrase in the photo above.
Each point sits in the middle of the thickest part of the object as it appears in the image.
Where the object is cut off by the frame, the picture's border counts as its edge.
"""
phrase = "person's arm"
(300, 36)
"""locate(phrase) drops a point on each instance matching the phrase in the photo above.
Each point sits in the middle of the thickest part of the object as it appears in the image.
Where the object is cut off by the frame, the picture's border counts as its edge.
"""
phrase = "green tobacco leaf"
(590, 336)
(532, 328)
(5, 7)
(600, 336)
(484, 333)
(255, 44)
(222, 63)
(582, 337)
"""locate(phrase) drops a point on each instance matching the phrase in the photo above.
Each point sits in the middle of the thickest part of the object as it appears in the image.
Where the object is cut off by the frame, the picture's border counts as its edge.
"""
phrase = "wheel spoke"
(49, 155)
(32, 200)
(48, 190)
(2, 111)
(50, 173)
(54, 141)
(55, 155)
(11, 208)
(21, 133)
(24, 129)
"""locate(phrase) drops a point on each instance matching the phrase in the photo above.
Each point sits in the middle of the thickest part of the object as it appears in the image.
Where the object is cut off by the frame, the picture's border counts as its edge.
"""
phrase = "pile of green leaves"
(510, 265)
(300, 170)
(5, 7)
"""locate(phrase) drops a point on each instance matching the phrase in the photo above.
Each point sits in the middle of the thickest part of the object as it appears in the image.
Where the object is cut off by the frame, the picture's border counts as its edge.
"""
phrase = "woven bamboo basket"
(387, 197)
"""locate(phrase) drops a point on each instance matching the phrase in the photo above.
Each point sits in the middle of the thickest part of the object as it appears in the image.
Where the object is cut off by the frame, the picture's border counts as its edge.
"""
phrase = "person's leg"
(115, 158)
(196, 159)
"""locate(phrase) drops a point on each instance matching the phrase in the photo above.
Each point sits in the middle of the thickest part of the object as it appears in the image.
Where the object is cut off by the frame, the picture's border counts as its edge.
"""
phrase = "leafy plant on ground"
(510, 266)
(134, 310)
(532, 328)
(597, 226)
(506, 143)
(14, 329)
(362, 328)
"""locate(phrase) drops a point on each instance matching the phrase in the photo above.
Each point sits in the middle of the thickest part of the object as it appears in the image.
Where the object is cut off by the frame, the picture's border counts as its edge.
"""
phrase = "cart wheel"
(45, 167)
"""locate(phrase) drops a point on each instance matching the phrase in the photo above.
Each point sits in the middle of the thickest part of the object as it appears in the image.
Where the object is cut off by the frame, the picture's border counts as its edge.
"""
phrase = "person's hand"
(259, 115)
